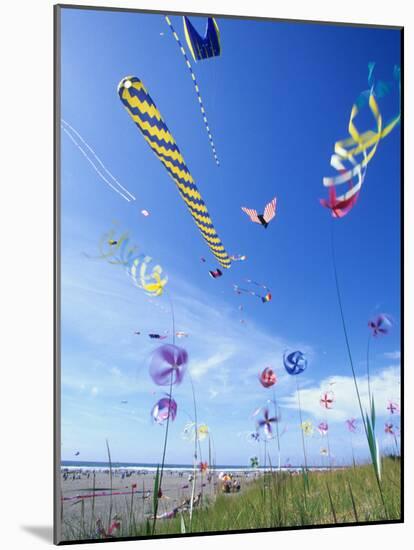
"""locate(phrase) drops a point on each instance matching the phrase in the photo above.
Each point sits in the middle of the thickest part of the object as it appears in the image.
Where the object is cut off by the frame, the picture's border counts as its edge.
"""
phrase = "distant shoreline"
(71, 465)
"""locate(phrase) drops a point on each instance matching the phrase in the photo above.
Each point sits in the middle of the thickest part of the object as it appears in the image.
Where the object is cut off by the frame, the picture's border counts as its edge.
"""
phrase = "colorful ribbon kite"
(146, 116)
(196, 88)
(365, 144)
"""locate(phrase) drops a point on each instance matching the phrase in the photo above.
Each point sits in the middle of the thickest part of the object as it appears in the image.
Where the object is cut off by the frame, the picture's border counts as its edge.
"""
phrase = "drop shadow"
(43, 532)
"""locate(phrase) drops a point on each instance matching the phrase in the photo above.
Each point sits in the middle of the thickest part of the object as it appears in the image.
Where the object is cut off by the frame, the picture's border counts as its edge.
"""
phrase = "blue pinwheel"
(295, 362)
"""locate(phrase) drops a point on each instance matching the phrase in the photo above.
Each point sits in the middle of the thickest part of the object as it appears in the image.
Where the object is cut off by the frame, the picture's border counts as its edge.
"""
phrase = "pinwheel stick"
(301, 422)
(195, 452)
(277, 427)
(368, 374)
(166, 427)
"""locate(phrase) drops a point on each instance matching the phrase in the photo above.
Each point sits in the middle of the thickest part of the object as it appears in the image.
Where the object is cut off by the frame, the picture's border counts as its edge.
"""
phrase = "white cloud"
(393, 355)
(384, 385)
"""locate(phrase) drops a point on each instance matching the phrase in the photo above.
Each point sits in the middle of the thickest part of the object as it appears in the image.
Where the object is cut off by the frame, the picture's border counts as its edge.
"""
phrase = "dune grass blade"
(353, 502)
(183, 531)
(110, 483)
(332, 505)
(369, 427)
(155, 498)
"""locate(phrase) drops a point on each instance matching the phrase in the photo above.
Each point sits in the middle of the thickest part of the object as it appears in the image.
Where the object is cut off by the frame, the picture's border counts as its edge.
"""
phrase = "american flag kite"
(268, 214)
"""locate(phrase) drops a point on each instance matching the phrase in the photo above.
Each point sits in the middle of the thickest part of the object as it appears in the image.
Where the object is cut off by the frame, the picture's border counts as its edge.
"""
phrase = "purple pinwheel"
(266, 423)
(165, 408)
(168, 364)
(351, 424)
(323, 428)
(380, 325)
(295, 362)
(393, 407)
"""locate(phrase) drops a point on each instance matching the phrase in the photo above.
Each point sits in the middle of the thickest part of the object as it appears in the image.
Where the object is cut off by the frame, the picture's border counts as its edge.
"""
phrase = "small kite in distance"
(265, 218)
(215, 273)
(124, 402)
(238, 258)
(145, 212)
(77, 453)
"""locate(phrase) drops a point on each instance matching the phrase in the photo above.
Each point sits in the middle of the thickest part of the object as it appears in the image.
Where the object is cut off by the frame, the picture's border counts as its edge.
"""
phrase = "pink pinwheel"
(323, 428)
(380, 325)
(266, 422)
(393, 407)
(168, 364)
(389, 428)
(351, 424)
(165, 408)
(267, 377)
(327, 399)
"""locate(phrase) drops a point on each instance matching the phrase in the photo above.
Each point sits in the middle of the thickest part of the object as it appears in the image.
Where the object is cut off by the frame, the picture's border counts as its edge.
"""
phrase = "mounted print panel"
(228, 274)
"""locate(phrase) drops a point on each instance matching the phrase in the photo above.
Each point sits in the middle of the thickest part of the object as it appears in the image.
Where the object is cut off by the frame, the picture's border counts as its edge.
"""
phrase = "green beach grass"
(280, 500)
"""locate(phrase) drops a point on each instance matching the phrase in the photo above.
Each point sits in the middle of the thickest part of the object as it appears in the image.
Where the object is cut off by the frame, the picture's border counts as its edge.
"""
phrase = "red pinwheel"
(203, 467)
(380, 325)
(389, 428)
(168, 364)
(393, 407)
(268, 377)
(266, 422)
(327, 400)
(165, 408)
(351, 424)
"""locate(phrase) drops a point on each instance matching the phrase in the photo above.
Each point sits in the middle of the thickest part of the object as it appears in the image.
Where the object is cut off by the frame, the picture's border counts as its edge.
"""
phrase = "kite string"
(73, 134)
(196, 88)
(98, 159)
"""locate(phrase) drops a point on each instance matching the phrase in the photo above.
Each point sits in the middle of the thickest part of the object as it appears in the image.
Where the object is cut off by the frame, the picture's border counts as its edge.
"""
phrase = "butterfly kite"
(265, 218)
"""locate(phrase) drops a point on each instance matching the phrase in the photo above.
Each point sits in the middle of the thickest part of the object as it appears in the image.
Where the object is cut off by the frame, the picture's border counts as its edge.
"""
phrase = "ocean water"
(152, 467)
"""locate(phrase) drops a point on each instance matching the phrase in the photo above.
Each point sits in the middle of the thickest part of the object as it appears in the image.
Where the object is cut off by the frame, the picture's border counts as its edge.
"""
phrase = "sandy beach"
(86, 495)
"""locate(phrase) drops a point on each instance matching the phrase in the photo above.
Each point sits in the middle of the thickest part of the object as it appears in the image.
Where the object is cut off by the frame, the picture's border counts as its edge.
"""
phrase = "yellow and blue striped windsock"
(147, 117)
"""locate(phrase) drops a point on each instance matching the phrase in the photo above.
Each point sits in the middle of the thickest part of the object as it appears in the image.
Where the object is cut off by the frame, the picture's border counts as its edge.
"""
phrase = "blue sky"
(277, 99)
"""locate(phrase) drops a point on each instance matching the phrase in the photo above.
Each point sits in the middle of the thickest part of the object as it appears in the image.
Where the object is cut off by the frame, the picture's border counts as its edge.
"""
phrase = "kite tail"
(148, 119)
(196, 88)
